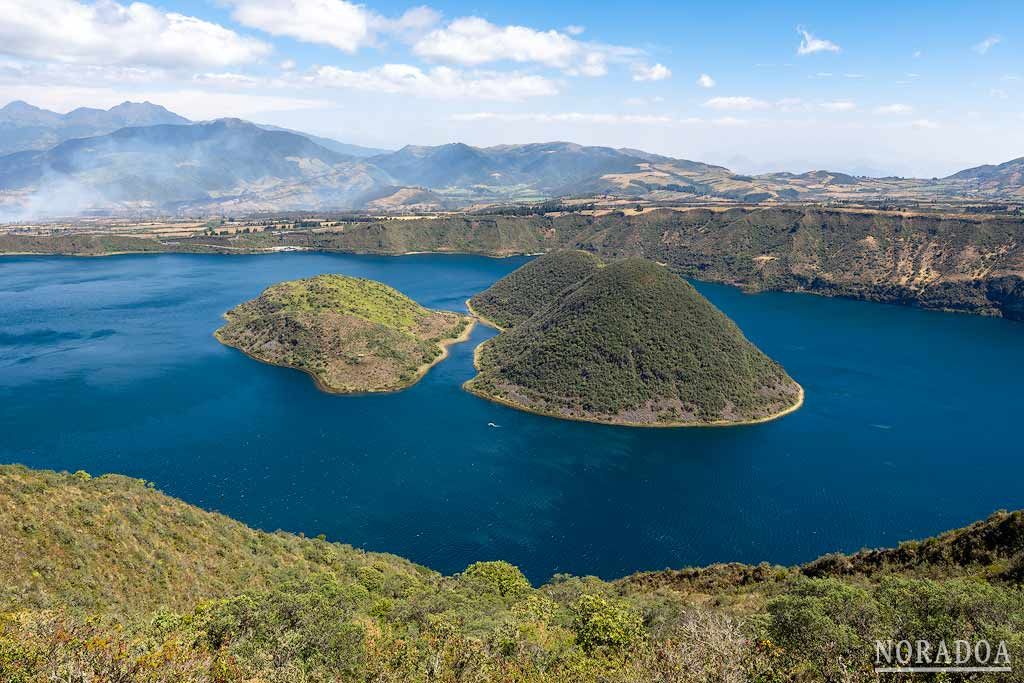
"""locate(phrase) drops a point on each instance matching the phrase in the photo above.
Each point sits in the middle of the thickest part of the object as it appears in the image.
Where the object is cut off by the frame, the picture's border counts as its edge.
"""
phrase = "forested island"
(352, 335)
(107, 579)
(627, 343)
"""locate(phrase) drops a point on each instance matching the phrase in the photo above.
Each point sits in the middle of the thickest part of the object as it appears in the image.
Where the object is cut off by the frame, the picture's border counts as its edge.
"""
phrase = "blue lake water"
(912, 424)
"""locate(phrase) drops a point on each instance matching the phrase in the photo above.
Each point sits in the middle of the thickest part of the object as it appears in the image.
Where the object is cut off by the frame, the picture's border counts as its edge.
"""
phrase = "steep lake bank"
(109, 365)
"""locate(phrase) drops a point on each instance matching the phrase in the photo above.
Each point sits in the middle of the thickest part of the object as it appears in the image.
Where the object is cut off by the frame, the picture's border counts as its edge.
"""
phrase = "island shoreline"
(483, 319)
(652, 425)
(421, 371)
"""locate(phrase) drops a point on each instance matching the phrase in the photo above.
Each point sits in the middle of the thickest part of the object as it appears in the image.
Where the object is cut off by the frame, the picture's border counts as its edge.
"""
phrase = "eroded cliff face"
(973, 264)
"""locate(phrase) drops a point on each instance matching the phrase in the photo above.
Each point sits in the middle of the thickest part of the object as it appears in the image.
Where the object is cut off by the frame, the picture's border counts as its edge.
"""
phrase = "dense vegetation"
(106, 579)
(954, 262)
(350, 334)
(526, 290)
(632, 343)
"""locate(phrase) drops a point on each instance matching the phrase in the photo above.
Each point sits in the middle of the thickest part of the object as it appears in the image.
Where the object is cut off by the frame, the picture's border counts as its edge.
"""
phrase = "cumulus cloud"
(333, 22)
(736, 103)
(894, 109)
(110, 33)
(472, 41)
(440, 82)
(984, 46)
(574, 29)
(338, 23)
(658, 72)
(810, 44)
(706, 81)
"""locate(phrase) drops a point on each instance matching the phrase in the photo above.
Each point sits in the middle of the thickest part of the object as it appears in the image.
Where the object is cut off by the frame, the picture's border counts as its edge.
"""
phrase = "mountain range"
(142, 157)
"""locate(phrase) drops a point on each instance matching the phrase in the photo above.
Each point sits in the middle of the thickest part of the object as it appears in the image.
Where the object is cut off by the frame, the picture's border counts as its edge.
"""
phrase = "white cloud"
(923, 124)
(473, 41)
(565, 117)
(411, 26)
(110, 33)
(287, 65)
(332, 22)
(574, 29)
(440, 82)
(894, 109)
(984, 46)
(917, 54)
(194, 103)
(810, 44)
(55, 75)
(229, 80)
(736, 103)
(853, 75)
(795, 104)
(594, 64)
(706, 81)
(999, 94)
(838, 106)
(658, 72)
(338, 23)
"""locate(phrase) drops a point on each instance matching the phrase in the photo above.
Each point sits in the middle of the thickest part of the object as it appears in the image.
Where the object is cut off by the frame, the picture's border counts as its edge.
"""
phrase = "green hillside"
(526, 290)
(107, 579)
(350, 334)
(635, 344)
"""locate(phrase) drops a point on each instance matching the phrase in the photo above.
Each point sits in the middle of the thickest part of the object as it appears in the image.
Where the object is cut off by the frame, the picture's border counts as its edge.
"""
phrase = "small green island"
(351, 335)
(628, 343)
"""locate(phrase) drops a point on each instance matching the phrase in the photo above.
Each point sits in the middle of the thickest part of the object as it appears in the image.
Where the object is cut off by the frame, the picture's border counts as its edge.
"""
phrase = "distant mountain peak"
(19, 105)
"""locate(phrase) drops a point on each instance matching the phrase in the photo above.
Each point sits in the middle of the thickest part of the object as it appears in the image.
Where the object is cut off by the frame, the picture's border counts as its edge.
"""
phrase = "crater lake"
(911, 424)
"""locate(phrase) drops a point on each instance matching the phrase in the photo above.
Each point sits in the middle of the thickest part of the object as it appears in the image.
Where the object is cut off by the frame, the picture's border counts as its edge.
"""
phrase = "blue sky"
(872, 87)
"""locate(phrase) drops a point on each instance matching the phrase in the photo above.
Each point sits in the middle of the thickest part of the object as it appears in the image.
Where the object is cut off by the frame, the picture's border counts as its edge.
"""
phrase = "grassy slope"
(113, 542)
(92, 560)
(350, 334)
(633, 343)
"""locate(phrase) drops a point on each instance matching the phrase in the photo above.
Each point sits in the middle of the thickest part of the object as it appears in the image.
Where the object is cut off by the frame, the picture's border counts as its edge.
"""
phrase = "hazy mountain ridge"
(331, 144)
(229, 165)
(24, 127)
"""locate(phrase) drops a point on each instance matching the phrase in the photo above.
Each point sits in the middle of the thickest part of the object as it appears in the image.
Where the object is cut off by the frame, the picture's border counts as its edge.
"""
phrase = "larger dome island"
(351, 335)
(628, 343)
